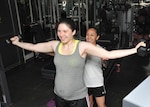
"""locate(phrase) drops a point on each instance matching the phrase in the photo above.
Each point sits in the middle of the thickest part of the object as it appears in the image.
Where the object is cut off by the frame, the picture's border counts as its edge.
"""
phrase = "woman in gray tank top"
(69, 60)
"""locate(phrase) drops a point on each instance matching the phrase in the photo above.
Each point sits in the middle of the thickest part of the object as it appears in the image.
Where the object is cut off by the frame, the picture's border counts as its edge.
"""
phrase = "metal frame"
(53, 17)
(31, 11)
(4, 85)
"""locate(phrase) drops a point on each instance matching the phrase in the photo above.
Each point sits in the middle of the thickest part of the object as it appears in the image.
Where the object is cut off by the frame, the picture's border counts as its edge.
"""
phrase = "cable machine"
(35, 16)
(47, 13)
(76, 10)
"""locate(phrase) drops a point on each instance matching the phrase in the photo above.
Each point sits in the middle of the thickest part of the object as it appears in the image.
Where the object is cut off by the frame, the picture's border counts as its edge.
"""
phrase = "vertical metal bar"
(50, 14)
(4, 86)
(132, 22)
(18, 17)
(12, 19)
(43, 10)
(87, 16)
(40, 13)
(79, 17)
(19, 25)
(57, 7)
(94, 11)
(31, 12)
(54, 15)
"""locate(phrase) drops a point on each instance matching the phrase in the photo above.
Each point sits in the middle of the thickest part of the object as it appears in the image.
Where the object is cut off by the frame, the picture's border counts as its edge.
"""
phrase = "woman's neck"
(68, 48)
(94, 43)
(69, 43)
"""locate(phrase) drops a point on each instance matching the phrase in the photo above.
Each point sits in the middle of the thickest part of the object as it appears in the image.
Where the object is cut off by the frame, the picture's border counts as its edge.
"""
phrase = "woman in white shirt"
(93, 74)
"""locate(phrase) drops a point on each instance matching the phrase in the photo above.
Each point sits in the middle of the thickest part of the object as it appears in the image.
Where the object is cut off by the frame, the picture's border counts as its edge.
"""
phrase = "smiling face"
(92, 36)
(66, 30)
(65, 33)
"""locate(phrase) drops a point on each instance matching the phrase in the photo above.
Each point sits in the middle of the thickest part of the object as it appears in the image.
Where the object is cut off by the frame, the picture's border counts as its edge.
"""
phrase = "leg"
(90, 93)
(100, 101)
(91, 100)
(99, 94)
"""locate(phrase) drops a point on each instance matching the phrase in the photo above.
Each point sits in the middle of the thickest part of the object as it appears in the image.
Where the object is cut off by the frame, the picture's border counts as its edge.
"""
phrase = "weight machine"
(84, 12)
(47, 13)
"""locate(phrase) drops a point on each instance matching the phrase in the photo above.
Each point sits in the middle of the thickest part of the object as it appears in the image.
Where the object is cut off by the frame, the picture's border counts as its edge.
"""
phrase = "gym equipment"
(139, 97)
(4, 87)
(111, 66)
(8, 41)
(143, 51)
(48, 71)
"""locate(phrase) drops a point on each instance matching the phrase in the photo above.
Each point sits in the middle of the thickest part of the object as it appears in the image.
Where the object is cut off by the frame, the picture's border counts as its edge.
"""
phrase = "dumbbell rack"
(4, 87)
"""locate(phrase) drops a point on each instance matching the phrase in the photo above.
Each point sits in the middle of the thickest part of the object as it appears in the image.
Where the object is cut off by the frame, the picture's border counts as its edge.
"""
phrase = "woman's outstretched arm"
(105, 54)
(44, 47)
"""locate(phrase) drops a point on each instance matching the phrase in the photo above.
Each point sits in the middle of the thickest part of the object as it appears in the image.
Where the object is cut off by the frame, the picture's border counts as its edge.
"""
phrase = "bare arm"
(44, 47)
(88, 48)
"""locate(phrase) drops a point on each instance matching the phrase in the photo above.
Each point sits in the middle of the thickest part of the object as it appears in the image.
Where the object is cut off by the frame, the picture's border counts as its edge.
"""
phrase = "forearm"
(26, 46)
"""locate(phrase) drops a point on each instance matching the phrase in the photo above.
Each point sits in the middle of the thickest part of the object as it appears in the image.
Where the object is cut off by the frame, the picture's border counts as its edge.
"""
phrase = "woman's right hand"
(14, 40)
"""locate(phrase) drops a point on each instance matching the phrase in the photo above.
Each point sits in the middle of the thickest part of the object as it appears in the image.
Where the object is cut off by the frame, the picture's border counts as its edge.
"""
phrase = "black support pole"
(4, 86)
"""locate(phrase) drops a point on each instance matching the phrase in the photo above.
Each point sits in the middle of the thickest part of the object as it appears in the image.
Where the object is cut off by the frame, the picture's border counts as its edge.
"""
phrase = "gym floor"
(28, 88)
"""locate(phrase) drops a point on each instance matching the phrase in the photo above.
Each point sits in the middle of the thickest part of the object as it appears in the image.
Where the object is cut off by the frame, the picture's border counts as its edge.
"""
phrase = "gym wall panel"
(7, 18)
(11, 55)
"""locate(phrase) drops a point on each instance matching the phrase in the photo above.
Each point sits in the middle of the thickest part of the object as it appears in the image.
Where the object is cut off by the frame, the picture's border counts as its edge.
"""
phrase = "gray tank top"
(69, 83)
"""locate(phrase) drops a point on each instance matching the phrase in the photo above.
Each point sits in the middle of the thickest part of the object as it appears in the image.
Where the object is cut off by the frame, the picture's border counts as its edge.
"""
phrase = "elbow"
(32, 49)
(105, 58)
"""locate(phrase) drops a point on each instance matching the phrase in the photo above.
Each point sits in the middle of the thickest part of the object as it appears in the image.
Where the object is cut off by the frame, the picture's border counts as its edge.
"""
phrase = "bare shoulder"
(85, 45)
(53, 43)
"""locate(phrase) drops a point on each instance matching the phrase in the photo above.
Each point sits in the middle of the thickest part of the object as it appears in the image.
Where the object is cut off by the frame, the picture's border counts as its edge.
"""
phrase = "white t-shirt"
(93, 74)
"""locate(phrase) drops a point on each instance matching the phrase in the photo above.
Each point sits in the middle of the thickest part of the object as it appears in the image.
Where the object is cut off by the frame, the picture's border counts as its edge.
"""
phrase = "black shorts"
(97, 91)
(59, 102)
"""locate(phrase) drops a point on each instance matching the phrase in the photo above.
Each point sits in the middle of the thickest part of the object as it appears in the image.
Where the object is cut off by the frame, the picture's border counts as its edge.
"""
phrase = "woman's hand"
(14, 40)
(140, 44)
